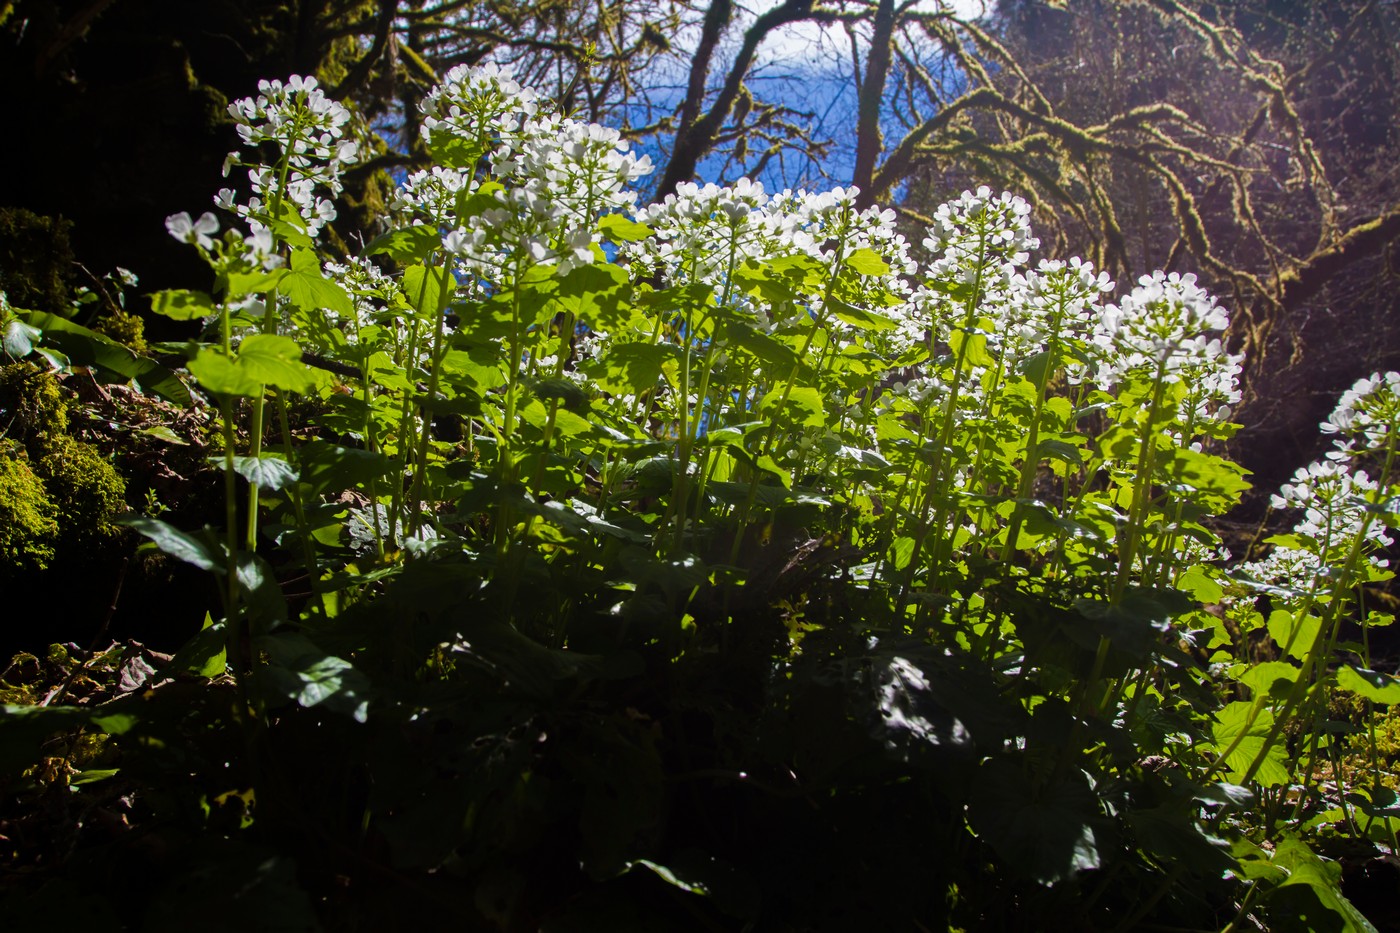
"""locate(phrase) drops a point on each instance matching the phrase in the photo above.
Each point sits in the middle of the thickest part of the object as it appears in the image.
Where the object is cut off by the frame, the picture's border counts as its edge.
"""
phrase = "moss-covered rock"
(28, 517)
(126, 329)
(88, 491)
(33, 409)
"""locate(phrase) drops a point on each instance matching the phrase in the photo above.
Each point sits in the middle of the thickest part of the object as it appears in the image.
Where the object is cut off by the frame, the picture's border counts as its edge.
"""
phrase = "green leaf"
(1206, 473)
(407, 244)
(1322, 879)
(299, 670)
(258, 282)
(309, 290)
(901, 552)
(670, 877)
(329, 468)
(88, 348)
(267, 471)
(803, 405)
(1295, 636)
(1043, 831)
(183, 305)
(632, 368)
(763, 346)
(1373, 685)
(20, 338)
(453, 151)
(1261, 677)
(23, 729)
(620, 229)
(429, 290)
(1199, 586)
(595, 294)
(972, 347)
(1230, 723)
(859, 317)
(161, 432)
(274, 360)
(867, 262)
(180, 545)
(217, 373)
(205, 654)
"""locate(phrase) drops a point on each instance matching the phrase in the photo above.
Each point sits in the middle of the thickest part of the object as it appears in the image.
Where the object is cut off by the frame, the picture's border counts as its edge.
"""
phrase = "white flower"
(978, 234)
(185, 230)
(1366, 416)
(1167, 322)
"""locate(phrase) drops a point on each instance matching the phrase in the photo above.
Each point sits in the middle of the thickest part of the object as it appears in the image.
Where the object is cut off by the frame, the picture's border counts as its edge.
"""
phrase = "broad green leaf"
(164, 433)
(1261, 677)
(407, 244)
(1199, 586)
(803, 405)
(301, 671)
(20, 338)
(387, 374)
(274, 360)
(1323, 879)
(620, 229)
(454, 151)
(205, 654)
(769, 465)
(1041, 830)
(258, 282)
(867, 262)
(972, 347)
(329, 468)
(429, 290)
(266, 471)
(632, 368)
(595, 294)
(901, 552)
(1230, 723)
(180, 545)
(1294, 636)
(217, 373)
(1373, 685)
(183, 305)
(781, 280)
(763, 346)
(859, 317)
(85, 347)
(309, 290)
(1206, 473)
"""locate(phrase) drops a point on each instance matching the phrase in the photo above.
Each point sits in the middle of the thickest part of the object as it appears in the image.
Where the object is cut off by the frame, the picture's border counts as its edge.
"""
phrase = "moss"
(88, 491)
(126, 329)
(32, 407)
(28, 517)
(36, 260)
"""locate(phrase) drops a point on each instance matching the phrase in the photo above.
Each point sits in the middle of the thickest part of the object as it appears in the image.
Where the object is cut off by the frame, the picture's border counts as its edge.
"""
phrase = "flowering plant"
(537, 438)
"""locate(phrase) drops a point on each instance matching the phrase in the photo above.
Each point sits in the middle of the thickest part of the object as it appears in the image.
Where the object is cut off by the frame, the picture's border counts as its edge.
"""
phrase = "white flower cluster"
(980, 236)
(1168, 324)
(1056, 301)
(482, 105)
(557, 176)
(1366, 417)
(1334, 500)
(703, 233)
(257, 248)
(309, 129)
(373, 291)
